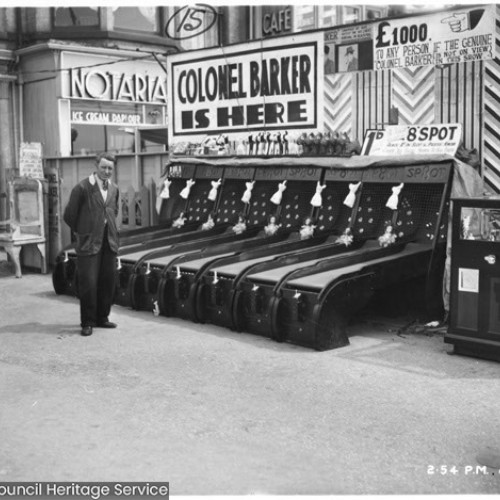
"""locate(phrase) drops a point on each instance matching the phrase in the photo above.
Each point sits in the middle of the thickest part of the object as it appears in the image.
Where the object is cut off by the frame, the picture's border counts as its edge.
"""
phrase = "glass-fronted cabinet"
(474, 327)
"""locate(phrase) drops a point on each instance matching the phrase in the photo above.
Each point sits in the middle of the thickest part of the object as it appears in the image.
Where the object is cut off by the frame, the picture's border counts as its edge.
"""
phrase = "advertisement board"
(413, 140)
(133, 79)
(269, 85)
(457, 36)
(348, 49)
(30, 160)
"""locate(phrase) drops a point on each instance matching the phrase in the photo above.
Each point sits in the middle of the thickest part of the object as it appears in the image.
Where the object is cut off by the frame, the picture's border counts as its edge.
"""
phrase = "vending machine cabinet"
(474, 327)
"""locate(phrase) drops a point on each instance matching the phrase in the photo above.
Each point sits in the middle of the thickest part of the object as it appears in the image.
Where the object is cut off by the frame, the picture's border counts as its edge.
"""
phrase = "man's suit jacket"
(87, 215)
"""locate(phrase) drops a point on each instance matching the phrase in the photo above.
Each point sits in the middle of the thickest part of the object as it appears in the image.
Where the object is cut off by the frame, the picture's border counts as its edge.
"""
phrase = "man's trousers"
(96, 284)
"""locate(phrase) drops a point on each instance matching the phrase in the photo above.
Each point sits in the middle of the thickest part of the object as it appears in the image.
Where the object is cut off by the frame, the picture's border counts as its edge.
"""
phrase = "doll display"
(307, 229)
(241, 225)
(346, 238)
(273, 226)
(180, 221)
(388, 238)
(209, 224)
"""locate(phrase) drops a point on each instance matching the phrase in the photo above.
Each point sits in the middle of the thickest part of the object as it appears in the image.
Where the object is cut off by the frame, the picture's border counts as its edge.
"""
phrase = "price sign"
(413, 140)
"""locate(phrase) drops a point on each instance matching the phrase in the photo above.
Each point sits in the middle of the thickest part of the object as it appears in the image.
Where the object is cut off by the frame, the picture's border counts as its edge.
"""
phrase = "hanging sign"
(462, 35)
(413, 140)
(271, 87)
(30, 160)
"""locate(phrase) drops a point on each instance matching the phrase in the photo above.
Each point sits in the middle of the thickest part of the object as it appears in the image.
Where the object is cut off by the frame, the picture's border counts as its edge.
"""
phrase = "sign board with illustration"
(348, 49)
(457, 36)
(271, 85)
(30, 160)
(413, 140)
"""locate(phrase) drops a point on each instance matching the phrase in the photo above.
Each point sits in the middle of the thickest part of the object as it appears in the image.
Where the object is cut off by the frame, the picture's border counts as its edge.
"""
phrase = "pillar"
(7, 153)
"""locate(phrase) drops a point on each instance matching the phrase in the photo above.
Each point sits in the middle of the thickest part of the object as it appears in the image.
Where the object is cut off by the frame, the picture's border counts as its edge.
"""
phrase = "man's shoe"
(86, 331)
(107, 324)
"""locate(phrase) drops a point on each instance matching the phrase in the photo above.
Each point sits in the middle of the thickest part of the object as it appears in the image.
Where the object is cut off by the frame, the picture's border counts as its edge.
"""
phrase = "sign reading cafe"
(274, 87)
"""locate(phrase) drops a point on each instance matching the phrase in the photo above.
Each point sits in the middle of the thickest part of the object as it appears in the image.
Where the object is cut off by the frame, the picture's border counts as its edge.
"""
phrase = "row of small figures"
(277, 144)
(306, 231)
(328, 144)
(316, 200)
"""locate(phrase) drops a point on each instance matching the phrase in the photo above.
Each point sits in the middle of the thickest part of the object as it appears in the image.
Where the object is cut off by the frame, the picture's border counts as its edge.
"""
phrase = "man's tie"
(105, 184)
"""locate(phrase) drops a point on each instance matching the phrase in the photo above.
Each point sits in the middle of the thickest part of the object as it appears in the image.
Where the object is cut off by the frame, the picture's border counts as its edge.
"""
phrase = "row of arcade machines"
(286, 252)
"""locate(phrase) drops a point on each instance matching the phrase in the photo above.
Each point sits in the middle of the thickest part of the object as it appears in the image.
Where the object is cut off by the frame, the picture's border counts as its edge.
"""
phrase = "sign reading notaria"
(235, 90)
(440, 38)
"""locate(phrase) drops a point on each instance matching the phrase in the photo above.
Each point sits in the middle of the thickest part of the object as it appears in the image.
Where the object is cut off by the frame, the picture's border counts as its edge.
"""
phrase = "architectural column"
(235, 24)
(7, 153)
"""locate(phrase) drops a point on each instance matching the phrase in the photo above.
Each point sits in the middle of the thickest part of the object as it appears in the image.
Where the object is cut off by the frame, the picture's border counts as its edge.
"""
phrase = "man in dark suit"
(91, 214)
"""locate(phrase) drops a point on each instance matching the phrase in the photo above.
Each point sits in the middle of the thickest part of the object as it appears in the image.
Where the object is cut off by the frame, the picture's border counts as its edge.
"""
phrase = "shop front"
(94, 100)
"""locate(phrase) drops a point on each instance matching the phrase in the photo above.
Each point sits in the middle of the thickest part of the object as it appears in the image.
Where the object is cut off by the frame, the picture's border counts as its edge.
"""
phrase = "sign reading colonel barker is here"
(270, 86)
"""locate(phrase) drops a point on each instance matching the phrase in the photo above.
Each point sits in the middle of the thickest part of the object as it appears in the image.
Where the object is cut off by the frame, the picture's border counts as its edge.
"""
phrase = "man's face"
(105, 169)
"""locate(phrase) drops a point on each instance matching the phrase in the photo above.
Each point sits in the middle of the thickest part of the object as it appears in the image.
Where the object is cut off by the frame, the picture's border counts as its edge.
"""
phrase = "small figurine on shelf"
(267, 143)
(251, 144)
(345, 238)
(242, 148)
(309, 144)
(278, 147)
(317, 199)
(316, 146)
(339, 144)
(185, 192)
(277, 197)
(307, 229)
(302, 144)
(212, 195)
(247, 195)
(353, 147)
(263, 143)
(258, 140)
(324, 144)
(284, 143)
(272, 228)
(209, 224)
(241, 225)
(223, 144)
(388, 238)
(273, 143)
(180, 221)
(208, 146)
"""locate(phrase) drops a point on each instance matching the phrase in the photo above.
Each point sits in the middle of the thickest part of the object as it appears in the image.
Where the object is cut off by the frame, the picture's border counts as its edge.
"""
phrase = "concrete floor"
(216, 412)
